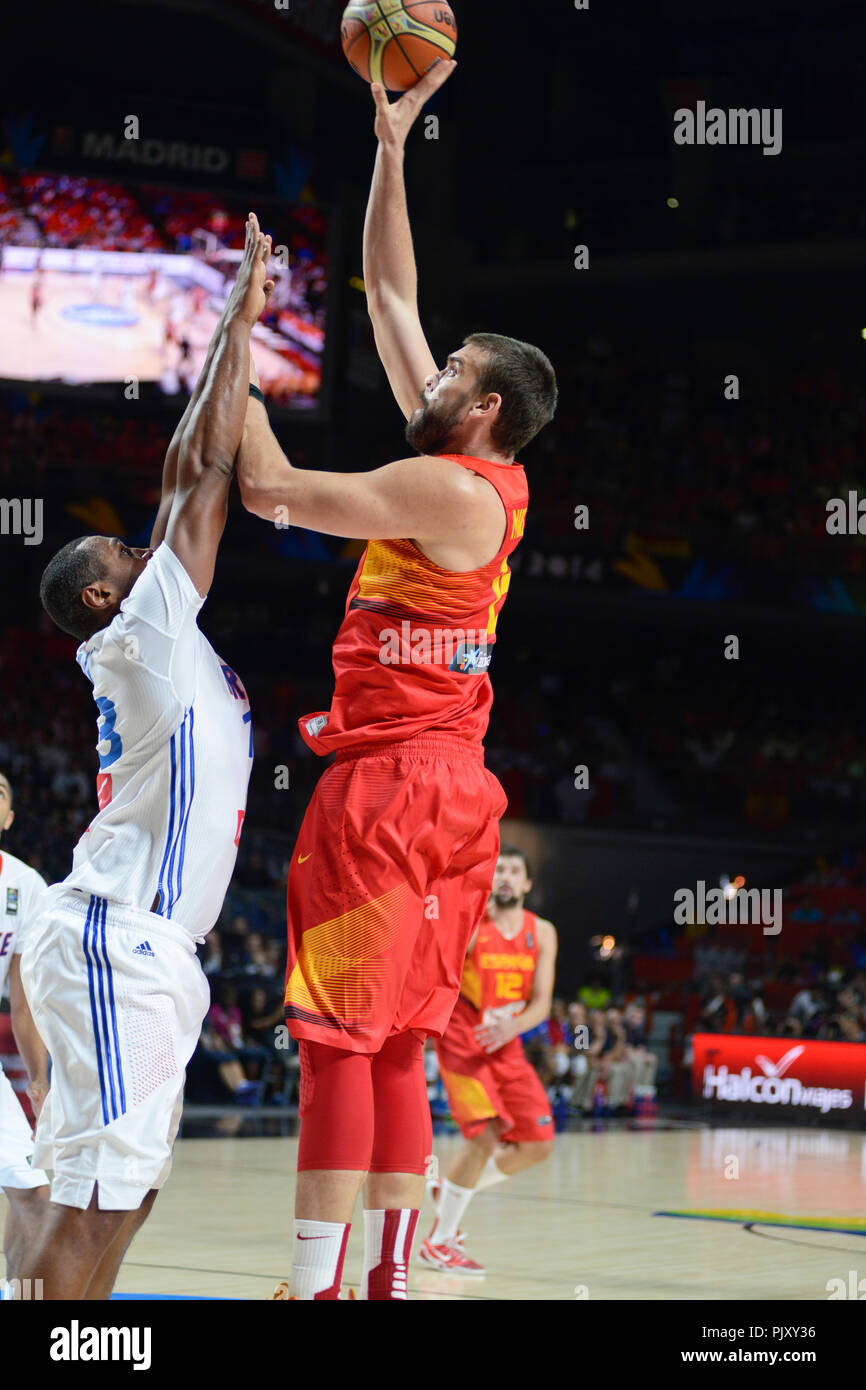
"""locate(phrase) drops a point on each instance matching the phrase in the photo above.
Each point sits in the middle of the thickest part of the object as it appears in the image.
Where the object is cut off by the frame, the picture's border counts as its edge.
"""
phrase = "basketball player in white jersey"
(110, 966)
(26, 1187)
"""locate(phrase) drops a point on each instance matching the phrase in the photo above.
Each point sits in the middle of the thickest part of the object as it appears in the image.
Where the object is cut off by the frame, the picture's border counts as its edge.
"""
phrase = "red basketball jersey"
(413, 650)
(499, 971)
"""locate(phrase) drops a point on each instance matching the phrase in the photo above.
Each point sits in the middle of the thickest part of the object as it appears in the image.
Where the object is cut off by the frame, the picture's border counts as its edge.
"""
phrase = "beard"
(433, 429)
(505, 896)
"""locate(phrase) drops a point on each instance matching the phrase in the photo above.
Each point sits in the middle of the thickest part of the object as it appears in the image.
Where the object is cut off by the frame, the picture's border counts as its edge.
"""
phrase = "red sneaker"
(449, 1256)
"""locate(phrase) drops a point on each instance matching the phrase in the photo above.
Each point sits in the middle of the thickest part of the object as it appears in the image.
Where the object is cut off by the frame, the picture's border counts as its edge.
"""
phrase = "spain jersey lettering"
(414, 649)
(498, 974)
(175, 753)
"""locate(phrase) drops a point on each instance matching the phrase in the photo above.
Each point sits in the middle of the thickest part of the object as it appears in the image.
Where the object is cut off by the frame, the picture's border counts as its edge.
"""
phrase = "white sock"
(452, 1204)
(318, 1250)
(490, 1173)
(388, 1236)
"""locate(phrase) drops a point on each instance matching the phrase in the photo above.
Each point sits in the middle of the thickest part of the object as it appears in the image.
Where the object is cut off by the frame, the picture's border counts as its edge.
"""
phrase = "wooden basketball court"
(586, 1225)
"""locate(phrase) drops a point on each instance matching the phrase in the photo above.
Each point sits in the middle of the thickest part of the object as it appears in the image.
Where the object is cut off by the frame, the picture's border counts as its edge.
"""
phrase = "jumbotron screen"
(102, 281)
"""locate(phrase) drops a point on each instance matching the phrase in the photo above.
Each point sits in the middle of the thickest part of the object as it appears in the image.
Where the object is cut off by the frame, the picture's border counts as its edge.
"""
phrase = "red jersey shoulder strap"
(510, 482)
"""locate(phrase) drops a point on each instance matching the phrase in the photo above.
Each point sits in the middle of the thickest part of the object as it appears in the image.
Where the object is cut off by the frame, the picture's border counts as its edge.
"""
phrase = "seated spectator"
(751, 1012)
(595, 993)
(607, 1065)
(644, 1063)
(223, 1040)
(256, 961)
(212, 963)
(719, 1012)
(807, 1004)
(850, 1028)
(264, 1024)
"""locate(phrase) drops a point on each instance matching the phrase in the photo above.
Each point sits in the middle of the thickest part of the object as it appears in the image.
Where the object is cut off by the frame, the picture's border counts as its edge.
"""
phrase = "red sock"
(388, 1237)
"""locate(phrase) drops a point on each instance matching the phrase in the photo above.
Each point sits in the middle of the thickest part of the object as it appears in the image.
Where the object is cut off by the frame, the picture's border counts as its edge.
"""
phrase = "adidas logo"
(144, 949)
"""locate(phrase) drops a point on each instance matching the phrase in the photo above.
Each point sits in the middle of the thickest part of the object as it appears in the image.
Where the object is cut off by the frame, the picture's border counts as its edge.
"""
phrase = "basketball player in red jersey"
(395, 858)
(493, 1090)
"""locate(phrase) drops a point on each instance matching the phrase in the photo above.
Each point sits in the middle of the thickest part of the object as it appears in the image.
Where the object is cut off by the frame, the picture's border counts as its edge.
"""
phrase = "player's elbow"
(197, 460)
(255, 497)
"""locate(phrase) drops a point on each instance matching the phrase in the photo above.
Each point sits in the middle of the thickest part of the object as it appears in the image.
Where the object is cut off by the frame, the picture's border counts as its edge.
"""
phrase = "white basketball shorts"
(119, 997)
(16, 1142)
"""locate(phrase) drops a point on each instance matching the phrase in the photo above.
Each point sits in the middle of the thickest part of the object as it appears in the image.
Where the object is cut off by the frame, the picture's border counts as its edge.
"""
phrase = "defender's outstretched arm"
(210, 441)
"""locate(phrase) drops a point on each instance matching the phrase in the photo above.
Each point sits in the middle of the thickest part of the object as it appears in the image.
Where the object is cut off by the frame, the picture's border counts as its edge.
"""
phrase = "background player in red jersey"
(395, 857)
(494, 1092)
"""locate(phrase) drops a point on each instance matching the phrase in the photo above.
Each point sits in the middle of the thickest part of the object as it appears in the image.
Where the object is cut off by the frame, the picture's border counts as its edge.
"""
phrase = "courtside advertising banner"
(800, 1077)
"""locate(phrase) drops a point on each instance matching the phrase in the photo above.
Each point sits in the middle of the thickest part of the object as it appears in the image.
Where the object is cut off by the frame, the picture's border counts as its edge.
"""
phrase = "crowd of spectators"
(675, 476)
(245, 1055)
(832, 1007)
(79, 210)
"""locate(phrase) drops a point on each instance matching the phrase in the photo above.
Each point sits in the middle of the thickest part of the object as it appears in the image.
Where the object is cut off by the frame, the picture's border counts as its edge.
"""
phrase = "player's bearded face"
(434, 428)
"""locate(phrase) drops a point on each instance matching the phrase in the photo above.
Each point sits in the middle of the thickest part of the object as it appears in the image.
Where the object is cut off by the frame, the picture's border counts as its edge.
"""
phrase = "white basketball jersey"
(175, 754)
(20, 890)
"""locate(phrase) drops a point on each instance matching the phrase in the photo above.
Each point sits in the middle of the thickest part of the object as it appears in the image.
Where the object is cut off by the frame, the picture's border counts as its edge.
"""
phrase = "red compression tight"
(366, 1112)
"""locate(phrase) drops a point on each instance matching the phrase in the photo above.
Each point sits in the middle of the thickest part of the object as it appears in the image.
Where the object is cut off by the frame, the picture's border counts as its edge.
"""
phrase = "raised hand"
(252, 287)
(394, 119)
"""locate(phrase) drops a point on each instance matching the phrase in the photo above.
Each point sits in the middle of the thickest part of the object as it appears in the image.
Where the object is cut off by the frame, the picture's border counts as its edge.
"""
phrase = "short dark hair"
(514, 853)
(524, 377)
(73, 567)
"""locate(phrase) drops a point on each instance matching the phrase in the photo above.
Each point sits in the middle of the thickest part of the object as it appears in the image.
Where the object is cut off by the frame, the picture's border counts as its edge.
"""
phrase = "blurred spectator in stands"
(235, 943)
(275, 955)
(614, 1053)
(264, 1024)
(606, 1065)
(256, 960)
(213, 954)
(719, 1013)
(751, 1011)
(644, 1063)
(577, 1022)
(849, 1027)
(224, 1017)
(222, 1040)
(791, 1028)
(807, 1004)
(595, 993)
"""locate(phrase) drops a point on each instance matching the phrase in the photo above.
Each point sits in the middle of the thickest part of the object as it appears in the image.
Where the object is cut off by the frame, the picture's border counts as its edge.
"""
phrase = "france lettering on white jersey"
(175, 754)
(21, 889)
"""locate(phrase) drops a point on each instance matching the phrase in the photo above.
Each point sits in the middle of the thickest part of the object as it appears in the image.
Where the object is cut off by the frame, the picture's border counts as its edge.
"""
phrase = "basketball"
(395, 43)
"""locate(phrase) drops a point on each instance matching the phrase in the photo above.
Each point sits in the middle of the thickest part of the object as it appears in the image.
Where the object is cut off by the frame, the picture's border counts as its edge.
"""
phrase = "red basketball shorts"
(389, 878)
(484, 1086)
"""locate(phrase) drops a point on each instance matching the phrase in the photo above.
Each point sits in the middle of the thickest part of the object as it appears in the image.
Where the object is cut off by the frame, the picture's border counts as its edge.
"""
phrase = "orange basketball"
(396, 41)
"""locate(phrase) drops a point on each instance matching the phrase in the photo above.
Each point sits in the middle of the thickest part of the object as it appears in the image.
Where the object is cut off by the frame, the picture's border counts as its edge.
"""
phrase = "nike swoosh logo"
(314, 1237)
(302, 859)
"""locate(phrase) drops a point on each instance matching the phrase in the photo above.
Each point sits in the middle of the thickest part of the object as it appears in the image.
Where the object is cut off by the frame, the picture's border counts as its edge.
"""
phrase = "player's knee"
(28, 1201)
(537, 1150)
